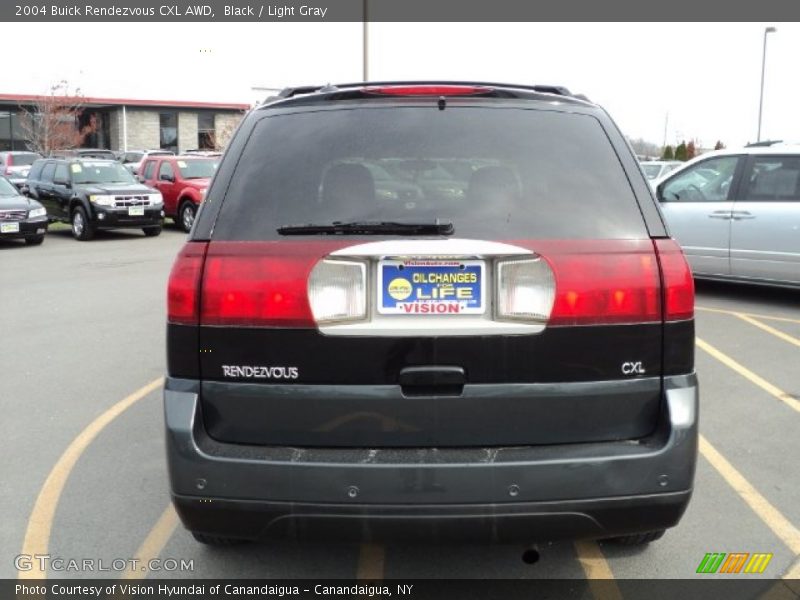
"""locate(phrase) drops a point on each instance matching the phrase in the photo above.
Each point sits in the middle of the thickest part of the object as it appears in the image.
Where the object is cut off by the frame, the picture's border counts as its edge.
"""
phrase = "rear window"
(24, 158)
(497, 173)
(651, 171)
(97, 154)
(132, 157)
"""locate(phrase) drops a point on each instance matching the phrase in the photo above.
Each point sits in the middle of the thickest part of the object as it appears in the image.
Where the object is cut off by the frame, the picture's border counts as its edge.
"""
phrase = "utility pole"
(767, 31)
(365, 44)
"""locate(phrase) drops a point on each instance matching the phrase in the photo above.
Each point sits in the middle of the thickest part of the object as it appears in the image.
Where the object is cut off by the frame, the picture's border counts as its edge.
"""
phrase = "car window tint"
(775, 178)
(494, 172)
(48, 172)
(706, 181)
(165, 170)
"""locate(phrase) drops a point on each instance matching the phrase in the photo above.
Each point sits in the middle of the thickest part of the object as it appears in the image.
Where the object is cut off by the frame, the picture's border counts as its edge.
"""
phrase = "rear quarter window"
(494, 172)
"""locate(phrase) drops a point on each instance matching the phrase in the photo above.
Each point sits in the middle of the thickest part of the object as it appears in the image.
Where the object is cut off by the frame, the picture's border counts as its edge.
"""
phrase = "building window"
(205, 131)
(5, 131)
(168, 131)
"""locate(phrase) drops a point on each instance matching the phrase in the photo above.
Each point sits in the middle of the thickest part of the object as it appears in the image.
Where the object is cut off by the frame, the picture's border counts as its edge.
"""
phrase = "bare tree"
(51, 122)
(219, 139)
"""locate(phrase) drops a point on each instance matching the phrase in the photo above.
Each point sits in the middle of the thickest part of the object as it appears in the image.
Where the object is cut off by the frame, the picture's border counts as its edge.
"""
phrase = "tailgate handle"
(432, 381)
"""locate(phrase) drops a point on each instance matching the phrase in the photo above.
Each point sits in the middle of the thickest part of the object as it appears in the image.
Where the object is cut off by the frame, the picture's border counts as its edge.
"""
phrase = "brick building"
(125, 124)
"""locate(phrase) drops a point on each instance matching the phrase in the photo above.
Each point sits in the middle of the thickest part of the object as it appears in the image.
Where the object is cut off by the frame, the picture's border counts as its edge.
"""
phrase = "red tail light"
(602, 281)
(678, 281)
(260, 284)
(183, 290)
(428, 90)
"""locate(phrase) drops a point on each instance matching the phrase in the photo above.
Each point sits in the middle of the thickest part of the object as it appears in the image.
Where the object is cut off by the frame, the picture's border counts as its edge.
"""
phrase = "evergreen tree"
(668, 154)
(681, 152)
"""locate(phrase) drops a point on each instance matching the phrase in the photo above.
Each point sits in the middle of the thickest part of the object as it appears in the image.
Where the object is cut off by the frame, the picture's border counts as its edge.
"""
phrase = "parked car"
(15, 164)
(94, 194)
(656, 169)
(210, 153)
(182, 181)
(132, 160)
(85, 153)
(516, 364)
(20, 217)
(736, 213)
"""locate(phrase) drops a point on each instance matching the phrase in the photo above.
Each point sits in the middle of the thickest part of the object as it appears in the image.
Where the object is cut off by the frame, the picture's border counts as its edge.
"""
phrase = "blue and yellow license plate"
(431, 287)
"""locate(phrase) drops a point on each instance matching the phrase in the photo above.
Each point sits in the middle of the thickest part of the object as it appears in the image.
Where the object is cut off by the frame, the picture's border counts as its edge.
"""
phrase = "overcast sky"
(706, 76)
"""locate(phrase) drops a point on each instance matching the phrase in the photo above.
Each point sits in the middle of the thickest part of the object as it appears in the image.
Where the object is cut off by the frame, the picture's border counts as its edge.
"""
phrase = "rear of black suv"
(506, 354)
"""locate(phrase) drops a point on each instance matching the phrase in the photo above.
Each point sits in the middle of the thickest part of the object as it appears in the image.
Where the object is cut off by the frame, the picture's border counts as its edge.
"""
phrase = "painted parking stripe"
(723, 311)
(154, 543)
(37, 534)
(771, 516)
(765, 385)
(597, 570)
(371, 562)
(771, 330)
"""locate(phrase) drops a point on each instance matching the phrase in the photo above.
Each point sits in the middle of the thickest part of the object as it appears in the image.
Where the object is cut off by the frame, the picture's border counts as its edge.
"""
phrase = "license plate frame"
(12, 227)
(418, 284)
(136, 211)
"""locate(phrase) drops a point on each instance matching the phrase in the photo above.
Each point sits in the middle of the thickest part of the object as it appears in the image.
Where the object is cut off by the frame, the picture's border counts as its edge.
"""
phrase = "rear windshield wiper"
(369, 228)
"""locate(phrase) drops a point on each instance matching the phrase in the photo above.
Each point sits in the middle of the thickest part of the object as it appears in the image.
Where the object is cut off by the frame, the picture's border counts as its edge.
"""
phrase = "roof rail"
(559, 90)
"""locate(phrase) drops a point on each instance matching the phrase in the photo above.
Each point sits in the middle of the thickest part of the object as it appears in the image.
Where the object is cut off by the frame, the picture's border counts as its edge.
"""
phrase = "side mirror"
(63, 182)
(660, 192)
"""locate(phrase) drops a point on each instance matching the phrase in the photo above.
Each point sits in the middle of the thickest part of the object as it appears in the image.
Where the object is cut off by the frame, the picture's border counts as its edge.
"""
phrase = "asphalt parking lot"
(84, 475)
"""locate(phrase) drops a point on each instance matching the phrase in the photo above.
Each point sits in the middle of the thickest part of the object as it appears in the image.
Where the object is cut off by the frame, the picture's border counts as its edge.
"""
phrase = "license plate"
(431, 287)
(9, 227)
(136, 211)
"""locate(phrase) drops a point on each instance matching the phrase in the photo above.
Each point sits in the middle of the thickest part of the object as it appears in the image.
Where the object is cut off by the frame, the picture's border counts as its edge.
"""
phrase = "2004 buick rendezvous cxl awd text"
(437, 311)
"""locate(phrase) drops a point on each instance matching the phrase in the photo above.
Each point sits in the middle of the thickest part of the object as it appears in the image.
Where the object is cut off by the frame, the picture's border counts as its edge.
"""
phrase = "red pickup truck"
(182, 181)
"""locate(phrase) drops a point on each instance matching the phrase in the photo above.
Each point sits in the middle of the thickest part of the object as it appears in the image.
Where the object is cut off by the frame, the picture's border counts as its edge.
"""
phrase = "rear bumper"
(548, 492)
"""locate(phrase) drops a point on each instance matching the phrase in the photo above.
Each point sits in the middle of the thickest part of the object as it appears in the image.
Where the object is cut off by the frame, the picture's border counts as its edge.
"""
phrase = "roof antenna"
(442, 103)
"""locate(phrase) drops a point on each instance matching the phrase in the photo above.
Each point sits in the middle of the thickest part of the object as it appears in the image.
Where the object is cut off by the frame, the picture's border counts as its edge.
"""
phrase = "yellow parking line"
(37, 534)
(777, 333)
(749, 314)
(771, 516)
(371, 559)
(154, 543)
(597, 570)
(765, 385)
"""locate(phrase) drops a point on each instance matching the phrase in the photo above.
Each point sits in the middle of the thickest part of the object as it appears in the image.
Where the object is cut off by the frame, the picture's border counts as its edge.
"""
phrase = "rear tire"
(216, 540)
(153, 231)
(34, 241)
(82, 229)
(186, 216)
(637, 539)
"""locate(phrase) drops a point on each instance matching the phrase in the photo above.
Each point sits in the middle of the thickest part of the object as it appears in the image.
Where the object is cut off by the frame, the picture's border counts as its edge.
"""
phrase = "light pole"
(767, 31)
(365, 45)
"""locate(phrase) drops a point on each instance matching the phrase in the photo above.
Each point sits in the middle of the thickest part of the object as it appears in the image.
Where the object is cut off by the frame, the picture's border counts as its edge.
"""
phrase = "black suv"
(508, 355)
(94, 194)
